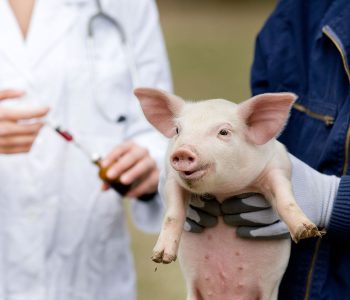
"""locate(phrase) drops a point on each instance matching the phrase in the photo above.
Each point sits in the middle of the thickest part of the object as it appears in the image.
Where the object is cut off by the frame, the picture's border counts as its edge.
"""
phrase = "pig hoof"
(307, 231)
(157, 256)
(168, 258)
(161, 257)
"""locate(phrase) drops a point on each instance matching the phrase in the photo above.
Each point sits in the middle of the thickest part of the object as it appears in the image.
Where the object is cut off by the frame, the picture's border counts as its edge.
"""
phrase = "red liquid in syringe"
(66, 135)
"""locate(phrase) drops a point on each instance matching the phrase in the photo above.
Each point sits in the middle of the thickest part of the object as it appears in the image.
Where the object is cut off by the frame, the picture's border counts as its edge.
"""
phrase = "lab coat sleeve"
(151, 60)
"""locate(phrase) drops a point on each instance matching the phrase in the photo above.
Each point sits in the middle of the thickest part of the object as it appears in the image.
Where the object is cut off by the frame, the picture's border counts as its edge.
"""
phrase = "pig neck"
(273, 158)
(279, 162)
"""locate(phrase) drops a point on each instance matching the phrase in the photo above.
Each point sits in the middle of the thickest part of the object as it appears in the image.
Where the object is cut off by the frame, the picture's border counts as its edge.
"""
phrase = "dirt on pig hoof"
(307, 231)
(161, 257)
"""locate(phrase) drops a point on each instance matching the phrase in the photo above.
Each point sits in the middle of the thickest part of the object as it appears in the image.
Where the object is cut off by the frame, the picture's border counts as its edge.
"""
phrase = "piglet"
(219, 149)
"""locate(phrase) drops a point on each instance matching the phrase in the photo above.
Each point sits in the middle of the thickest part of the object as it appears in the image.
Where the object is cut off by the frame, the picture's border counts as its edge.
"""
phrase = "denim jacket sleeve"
(340, 219)
(262, 81)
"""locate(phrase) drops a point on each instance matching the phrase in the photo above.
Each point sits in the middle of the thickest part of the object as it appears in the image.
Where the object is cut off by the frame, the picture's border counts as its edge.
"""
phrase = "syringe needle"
(69, 138)
(91, 157)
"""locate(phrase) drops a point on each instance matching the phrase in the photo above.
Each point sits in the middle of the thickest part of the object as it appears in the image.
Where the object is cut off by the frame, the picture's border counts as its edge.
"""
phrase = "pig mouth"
(194, 174)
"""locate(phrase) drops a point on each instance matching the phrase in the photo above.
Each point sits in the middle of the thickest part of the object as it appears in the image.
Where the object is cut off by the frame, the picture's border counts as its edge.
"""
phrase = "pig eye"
(177, 130)
(224, 132)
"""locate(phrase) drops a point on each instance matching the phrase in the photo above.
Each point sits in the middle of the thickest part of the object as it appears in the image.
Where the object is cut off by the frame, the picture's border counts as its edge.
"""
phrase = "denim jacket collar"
(335, 26)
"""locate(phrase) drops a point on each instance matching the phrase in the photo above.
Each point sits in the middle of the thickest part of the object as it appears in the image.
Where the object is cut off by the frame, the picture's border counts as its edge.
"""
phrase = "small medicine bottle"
(116, 185)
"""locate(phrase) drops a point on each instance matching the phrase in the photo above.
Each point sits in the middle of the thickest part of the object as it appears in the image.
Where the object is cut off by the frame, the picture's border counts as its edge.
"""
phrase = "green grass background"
(210, 46)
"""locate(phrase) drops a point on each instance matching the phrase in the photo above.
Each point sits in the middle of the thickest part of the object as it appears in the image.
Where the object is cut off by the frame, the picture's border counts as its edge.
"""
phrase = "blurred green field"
(210, 46)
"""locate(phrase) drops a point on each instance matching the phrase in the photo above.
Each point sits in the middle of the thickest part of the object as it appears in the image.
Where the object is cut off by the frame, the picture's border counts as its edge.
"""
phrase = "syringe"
(68, 137)
(94, 158)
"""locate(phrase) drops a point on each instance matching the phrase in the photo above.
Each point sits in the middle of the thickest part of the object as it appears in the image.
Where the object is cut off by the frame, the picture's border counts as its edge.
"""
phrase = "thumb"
(9, 94)
(277, 230)
(24, 113)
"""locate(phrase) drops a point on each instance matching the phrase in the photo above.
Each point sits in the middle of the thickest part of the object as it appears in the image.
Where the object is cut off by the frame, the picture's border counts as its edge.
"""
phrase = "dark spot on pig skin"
(199, 295)
(210, 237)
(188, 183)
(240, 268)
(207, 256)
(240, 285)
(169, 221)
(237, 253)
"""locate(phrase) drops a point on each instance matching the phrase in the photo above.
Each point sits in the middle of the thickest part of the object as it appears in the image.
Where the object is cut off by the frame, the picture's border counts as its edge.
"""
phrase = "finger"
(11, 128)
(257, 218)
(142, 167)
(275, 231)
(237, 205)
(9, 94)
(206, 204)
(146, 186)
(125, 162)
(15, 150)
(117, 152)
(256, 200)
(20, 113)
(191, 226)
(201, 217)
(17, 141)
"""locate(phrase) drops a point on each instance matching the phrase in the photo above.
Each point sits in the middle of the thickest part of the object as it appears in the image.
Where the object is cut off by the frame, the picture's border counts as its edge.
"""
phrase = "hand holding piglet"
(219, 149)
(224, 149)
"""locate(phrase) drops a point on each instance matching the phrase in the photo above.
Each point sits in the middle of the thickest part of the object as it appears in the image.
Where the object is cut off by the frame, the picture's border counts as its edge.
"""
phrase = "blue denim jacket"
(304, 47)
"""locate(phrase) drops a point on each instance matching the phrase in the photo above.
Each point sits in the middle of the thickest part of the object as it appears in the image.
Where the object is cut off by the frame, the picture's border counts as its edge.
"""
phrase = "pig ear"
(160, 108)
(266, 115)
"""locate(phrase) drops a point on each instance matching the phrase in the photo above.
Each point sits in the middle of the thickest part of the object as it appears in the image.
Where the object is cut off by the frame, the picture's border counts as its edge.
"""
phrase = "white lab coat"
(61, 238)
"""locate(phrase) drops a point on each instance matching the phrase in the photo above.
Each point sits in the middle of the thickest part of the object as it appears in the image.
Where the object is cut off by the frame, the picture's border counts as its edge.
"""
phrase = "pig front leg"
(165, 250)
(279, 191)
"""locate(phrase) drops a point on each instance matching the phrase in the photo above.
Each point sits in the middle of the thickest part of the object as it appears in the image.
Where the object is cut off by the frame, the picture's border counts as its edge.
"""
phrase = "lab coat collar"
(51, 19)
(11, 41)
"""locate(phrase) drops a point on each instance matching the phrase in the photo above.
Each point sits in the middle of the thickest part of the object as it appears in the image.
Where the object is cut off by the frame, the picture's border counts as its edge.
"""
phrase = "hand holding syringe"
(115, 184)
(94, 158)
(19, 125)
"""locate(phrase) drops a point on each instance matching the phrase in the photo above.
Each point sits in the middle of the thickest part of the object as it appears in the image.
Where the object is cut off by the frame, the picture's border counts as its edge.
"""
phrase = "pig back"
(218, 265)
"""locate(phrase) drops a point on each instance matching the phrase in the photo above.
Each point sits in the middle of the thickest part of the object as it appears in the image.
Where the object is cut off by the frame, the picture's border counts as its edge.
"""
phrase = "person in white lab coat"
(61, 236)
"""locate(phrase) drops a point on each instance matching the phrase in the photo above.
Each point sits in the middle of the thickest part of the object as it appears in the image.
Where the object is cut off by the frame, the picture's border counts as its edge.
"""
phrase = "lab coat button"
(121, 119)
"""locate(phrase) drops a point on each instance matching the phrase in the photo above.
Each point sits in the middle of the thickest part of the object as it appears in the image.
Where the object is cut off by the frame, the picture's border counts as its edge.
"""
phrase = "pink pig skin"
(218, 265)
(224, 149)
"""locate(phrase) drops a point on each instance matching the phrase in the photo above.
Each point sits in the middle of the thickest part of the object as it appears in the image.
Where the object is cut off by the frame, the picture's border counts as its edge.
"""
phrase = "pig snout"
(184, 160)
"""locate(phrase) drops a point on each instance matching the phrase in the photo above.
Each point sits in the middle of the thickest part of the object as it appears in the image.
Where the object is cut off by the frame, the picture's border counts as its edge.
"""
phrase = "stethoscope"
(100, 14)
(126, 49)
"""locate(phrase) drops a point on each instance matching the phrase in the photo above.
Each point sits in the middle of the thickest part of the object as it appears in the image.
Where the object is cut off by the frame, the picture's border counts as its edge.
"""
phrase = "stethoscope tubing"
(127, 51)
(125, 46)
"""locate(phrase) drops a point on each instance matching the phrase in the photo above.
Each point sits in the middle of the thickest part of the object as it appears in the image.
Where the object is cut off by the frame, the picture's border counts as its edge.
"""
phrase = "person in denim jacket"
(304, 48)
